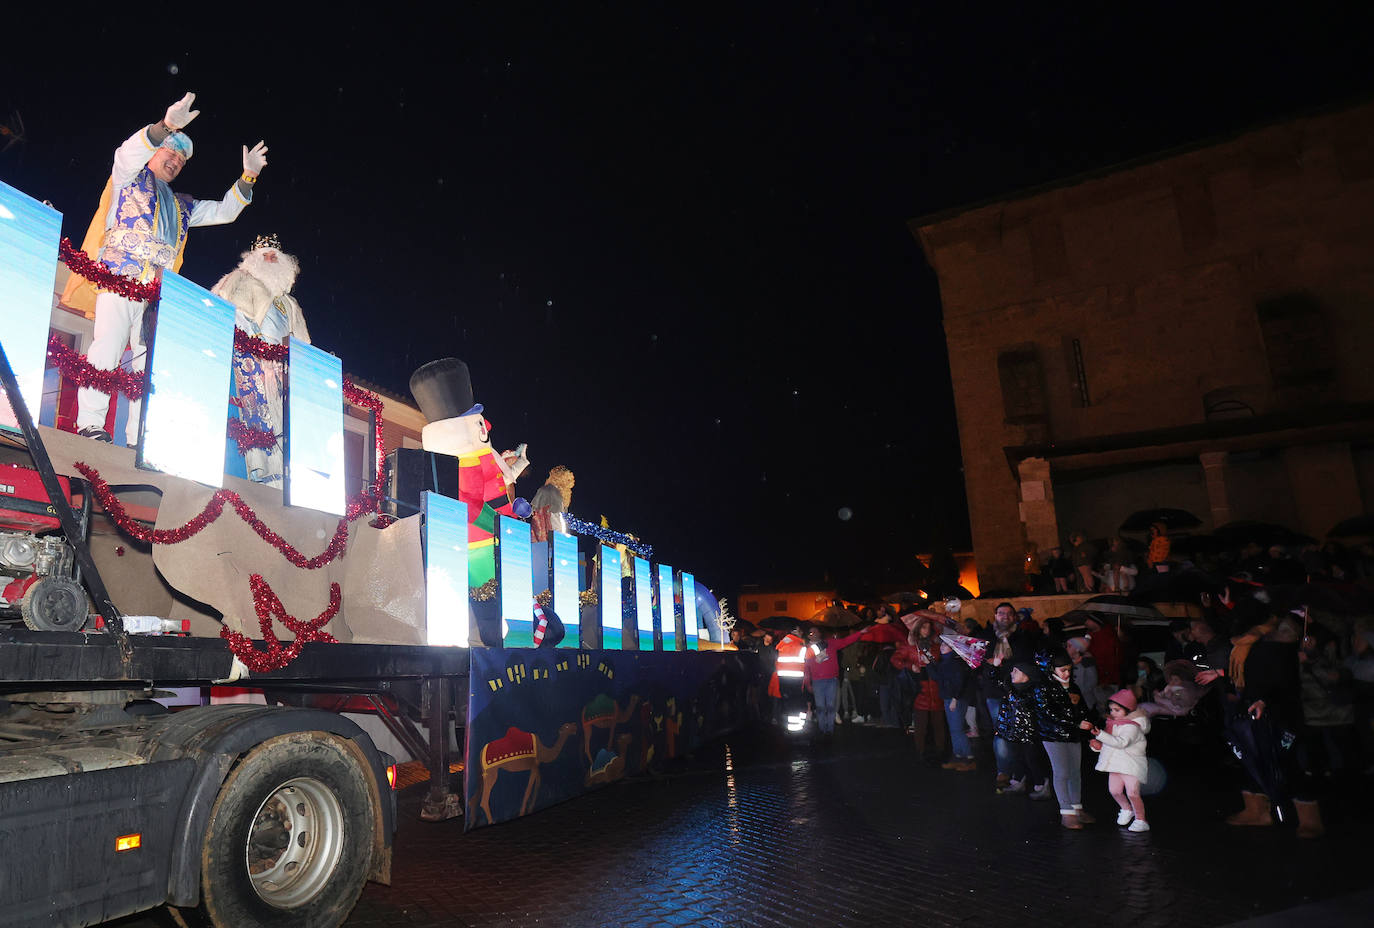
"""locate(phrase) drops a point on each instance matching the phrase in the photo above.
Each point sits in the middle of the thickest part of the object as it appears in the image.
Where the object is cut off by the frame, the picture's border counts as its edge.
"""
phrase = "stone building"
(1193, 331)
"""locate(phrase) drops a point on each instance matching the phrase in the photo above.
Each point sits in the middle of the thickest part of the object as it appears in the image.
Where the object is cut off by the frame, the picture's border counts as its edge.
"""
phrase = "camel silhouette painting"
(515, 752)
(601, 713)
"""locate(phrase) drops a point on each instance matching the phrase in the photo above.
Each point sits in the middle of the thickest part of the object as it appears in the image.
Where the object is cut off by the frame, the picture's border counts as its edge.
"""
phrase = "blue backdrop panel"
(545, 725)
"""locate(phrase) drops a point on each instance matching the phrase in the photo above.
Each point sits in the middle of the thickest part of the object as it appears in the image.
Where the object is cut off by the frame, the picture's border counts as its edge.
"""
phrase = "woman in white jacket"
(1121, 749)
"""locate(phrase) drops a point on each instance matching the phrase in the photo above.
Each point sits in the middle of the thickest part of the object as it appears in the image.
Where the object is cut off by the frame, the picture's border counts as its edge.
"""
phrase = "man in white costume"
(145, 228)
(260, 289)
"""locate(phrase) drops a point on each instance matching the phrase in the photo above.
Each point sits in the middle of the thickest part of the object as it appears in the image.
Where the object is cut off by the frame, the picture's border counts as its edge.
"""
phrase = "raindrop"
(845, 513)
(173, 69)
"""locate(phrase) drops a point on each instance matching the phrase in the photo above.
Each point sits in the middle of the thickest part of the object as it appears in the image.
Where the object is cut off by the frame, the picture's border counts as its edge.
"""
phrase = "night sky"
(672, 246)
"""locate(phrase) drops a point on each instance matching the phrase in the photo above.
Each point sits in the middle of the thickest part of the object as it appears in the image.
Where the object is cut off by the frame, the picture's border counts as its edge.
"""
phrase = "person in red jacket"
(1105, 647)
(821, 673)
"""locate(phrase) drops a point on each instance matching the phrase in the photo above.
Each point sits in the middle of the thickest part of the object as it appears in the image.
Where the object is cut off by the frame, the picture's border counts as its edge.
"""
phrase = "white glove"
(255, 159)
(180, 114)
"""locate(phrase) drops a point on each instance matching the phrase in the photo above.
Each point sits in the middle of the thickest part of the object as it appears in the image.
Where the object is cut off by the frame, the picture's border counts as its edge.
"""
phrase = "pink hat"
(1123, 698)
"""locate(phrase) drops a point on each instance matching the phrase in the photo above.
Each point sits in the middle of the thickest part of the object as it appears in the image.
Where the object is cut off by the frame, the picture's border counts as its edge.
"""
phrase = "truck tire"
(290, 836)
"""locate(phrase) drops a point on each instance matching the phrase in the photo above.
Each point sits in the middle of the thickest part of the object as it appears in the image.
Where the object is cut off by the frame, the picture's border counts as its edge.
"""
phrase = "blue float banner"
(611, 619)
(644, 604)
(691, 626)
(447, 611)
(545, 725)
(566, 603)
(517, 597)
(190, 361)
(665, 604)
(314, 429)
(29, 232)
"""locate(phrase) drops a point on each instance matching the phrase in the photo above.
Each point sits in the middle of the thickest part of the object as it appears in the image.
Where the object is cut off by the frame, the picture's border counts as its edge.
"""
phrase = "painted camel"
(518, 751)
(601, 713)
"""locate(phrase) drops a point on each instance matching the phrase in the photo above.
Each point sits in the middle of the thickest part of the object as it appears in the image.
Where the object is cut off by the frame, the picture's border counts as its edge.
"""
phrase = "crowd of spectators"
(1254, 662)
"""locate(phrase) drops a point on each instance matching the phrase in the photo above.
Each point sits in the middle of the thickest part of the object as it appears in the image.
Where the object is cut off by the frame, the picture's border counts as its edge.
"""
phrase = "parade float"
(394, 604)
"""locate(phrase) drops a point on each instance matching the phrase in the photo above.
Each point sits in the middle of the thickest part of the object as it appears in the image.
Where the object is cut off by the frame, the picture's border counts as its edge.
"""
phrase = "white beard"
(277, 276)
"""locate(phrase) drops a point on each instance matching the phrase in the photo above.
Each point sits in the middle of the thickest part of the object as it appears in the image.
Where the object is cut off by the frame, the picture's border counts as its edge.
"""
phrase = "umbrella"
(780, 623)
(1357, 527)
(1259, 746)
(971, 650)
(1173, 520)
(1238, 534)
(1110, 604)
(835, 617)
(1195, 544)
(1176, 586)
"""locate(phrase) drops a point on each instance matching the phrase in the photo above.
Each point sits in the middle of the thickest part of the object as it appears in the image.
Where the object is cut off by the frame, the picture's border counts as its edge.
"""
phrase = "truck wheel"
(290, 836)
(54, 604)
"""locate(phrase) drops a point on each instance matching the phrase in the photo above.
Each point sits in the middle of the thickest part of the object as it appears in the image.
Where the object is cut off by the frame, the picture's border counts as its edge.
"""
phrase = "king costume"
(139, 230)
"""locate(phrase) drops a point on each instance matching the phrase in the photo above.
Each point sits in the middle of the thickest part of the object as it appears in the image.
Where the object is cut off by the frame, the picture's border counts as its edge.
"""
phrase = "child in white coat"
(1121, 750)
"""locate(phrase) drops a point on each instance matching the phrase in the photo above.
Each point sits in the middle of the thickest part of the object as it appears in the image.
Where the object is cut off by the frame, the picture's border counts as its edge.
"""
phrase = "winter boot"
(1309, 819)
(1256, 811)
(1069, 819)
(1083, 816)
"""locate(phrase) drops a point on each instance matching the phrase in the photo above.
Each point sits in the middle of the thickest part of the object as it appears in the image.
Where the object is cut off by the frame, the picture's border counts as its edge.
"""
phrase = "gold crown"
(266, 241)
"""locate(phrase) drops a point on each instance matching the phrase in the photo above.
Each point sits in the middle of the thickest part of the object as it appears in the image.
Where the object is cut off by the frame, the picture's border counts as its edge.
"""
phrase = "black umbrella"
(1259, 745)
(835, 617)
(1176, 586)
(1264, 534)
(780, 623)
(1352, 528)
(1173, 519)
(1195, 544)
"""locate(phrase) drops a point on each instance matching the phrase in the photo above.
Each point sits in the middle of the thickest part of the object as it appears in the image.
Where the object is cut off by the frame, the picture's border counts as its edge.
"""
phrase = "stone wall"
(1170, 276)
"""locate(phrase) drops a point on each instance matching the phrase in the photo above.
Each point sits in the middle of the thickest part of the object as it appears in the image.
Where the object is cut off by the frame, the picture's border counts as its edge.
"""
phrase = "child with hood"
(1016, 726)
(1121, 749)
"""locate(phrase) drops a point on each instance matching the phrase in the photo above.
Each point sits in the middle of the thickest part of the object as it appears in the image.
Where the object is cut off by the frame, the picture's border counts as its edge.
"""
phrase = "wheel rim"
(295, 842)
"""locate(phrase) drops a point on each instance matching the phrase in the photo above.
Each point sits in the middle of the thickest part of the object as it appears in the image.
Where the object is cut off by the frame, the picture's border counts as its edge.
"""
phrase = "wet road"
(763, 830)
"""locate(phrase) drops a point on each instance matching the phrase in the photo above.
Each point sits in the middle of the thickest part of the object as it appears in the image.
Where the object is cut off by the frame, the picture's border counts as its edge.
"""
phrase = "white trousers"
(118, 322)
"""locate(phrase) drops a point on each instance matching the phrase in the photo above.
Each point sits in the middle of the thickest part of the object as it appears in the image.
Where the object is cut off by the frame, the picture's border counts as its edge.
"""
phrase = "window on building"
(1023, 390)
(779, 605)
(751, 606)
(1297, 345)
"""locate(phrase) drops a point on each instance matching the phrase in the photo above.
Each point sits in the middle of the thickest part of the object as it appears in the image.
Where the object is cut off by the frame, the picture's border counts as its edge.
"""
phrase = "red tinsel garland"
(258, 348)
(268, 607)
(247, 438)
(212, 511)
(75, 369)
(82, 265)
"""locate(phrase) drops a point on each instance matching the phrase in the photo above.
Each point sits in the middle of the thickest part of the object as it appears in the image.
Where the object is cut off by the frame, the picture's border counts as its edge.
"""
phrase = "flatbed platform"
(30, 657)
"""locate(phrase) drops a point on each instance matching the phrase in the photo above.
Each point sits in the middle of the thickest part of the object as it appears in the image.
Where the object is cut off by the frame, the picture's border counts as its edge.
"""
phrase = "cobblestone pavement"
(766, 831)
(770, 831)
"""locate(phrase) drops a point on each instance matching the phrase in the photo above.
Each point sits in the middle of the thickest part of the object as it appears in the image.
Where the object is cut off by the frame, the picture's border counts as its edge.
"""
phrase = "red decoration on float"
(268, 607)
(83, 265)
(254, 346)
(212, 511)
(247, 438)
(75, 369)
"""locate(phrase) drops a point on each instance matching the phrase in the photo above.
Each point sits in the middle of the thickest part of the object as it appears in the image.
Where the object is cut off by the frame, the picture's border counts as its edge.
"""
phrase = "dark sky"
(672, 246)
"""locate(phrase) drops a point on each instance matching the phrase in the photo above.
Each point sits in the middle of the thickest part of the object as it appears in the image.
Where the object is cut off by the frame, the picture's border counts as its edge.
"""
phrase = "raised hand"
(180, 114)
(255, 159)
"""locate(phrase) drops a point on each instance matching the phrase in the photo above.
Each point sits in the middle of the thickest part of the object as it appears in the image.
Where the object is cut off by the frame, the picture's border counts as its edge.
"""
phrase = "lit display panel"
(447, 617)
(691, 626)
(644, 604)
(565, 599)
(190, 358)
(517, 594)
(665, 601)
(314, 429)
(611, 637)
(28, 269)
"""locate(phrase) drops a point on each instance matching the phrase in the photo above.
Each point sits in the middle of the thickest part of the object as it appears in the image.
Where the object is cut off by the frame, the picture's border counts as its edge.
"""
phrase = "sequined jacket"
(1058, 710)
(1016, 721)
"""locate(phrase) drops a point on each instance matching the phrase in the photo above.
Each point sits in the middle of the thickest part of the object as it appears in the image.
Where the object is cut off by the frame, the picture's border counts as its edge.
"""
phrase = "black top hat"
(443, 389)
